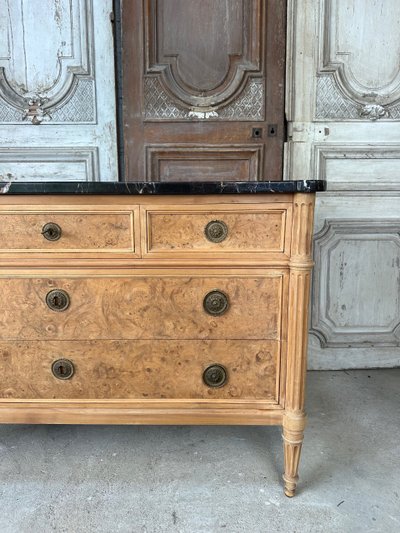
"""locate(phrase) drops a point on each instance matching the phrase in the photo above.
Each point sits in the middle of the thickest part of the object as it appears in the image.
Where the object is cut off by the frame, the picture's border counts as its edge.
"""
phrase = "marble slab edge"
(162, 188)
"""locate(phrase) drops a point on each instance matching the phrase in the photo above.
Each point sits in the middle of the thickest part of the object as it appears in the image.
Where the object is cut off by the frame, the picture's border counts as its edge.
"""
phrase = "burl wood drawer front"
(139, 369)
(69, 230)
(150, 307)
(234, 230)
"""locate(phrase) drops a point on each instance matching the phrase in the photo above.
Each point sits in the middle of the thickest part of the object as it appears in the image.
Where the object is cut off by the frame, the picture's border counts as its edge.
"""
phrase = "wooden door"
(57, 91)
(344, 113)
(203, 89)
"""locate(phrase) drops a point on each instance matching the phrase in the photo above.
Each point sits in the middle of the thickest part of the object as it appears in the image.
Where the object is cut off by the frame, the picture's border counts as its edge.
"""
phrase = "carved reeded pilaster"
(299, 293)
(302, 232)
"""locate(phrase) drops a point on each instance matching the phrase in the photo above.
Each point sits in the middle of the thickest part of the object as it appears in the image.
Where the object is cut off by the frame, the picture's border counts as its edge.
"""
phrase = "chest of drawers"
(166, 309)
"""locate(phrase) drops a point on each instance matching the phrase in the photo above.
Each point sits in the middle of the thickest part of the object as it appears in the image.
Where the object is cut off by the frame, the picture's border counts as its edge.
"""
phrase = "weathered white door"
(57, 91)
(344, 113)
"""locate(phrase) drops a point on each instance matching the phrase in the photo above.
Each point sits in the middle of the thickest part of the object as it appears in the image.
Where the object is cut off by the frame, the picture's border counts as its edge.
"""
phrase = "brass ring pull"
(216, 231)
(58, 300)
(63, 369)
(51, 231)
(215, 376)
(216, 303)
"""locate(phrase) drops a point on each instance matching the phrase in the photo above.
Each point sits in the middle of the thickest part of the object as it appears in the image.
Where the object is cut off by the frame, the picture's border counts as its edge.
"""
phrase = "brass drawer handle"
(215, 376)
(216, 303)
(63, 369)
(216, 231)
(51, 231)
(58, 300)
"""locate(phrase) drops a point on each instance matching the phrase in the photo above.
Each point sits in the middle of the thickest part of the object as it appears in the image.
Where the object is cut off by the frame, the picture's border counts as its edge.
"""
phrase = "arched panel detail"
(37, 75)
(199, 64)
(360, 84)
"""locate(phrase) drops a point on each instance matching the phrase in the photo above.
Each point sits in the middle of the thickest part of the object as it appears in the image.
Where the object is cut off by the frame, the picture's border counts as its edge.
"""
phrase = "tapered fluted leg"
(300, 264)
(293, 434)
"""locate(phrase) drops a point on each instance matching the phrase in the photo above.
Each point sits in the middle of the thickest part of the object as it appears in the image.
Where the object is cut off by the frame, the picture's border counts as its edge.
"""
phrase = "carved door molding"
(41, 77)
(195, 85)
(349, 311)
(343, 103)
(355, 80)
(191, 71)
(52, 65)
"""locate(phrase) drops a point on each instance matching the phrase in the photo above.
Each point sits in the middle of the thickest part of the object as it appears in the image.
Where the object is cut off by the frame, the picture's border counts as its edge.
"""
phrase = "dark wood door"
(203, 89)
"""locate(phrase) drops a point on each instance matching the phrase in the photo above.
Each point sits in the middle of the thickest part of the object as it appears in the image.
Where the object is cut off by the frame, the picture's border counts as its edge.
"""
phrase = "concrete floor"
(213, 479)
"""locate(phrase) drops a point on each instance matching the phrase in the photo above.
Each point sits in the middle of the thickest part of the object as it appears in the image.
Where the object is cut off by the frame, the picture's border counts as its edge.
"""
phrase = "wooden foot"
(293, 434)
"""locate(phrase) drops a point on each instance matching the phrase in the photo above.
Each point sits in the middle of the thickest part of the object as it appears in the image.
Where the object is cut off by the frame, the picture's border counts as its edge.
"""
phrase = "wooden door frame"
(126, 77)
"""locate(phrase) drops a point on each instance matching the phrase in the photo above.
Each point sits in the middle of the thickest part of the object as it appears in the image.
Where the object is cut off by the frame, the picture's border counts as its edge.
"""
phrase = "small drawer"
(233, 230)
(143, 307)
(68, 230)
(140, 370)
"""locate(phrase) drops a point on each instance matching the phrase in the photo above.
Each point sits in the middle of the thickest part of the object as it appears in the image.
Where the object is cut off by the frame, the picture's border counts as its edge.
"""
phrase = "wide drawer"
(234, 230)
(148, 307)
(68, 230)
(139, 369)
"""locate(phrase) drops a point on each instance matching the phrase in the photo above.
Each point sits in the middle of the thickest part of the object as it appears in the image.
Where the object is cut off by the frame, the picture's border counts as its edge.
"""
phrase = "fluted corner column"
(301, 264)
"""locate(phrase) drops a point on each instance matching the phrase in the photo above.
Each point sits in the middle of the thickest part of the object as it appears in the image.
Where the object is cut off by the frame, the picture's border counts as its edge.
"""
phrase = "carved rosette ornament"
(374, 112)
(35, 112)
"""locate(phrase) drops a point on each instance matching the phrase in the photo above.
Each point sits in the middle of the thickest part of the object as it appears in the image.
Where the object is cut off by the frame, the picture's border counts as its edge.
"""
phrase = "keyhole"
(63, 369)
(57, 300)
(272, 130)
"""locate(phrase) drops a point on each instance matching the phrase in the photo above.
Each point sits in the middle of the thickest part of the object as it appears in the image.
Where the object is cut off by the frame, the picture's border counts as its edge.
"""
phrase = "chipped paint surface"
(5, 182)
(202, 114)
(5, 188)
(34, 65)
(56, 74)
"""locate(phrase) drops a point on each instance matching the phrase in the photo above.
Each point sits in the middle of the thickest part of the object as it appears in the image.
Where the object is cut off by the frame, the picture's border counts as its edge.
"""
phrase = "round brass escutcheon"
(63, 369)
(216, 231)
(51, 231)
(58, 300)
(215, 376)
(216, 303)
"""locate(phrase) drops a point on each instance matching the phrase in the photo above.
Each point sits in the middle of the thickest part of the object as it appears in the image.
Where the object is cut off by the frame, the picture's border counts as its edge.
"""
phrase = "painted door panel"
(57, 91)
(344, 111)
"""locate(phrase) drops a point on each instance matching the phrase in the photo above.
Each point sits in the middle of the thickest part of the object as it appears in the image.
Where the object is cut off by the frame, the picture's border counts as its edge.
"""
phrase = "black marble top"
(162, 188)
